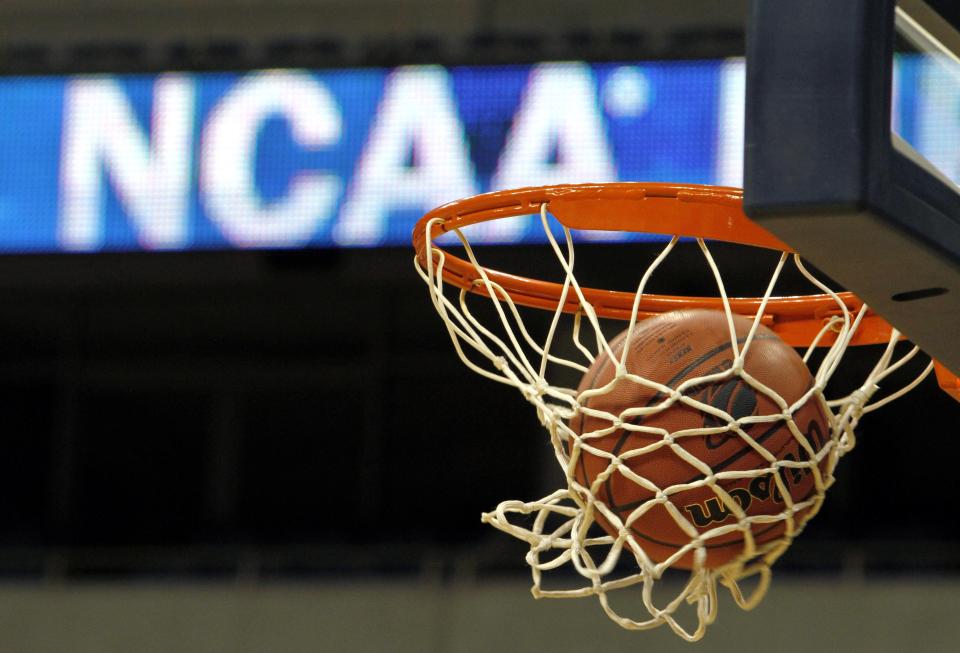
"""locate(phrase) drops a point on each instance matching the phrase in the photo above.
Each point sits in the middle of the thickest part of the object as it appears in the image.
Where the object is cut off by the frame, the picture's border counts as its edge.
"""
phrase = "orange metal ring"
(694, 211)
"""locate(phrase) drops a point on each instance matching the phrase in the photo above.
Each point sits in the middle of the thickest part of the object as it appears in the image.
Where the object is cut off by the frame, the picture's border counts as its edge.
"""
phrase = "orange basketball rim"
(690, 211)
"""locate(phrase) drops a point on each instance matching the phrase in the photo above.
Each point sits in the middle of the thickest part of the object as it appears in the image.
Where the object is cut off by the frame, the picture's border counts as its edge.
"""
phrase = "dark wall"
(204, 406)
(244, 399)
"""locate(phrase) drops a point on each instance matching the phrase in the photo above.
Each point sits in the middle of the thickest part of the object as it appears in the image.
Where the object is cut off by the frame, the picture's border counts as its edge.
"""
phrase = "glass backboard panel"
(925, 116)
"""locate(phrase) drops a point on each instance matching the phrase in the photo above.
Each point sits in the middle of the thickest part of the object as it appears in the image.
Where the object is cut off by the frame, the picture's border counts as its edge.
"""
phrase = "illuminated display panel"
(925, 114)
(352, 158)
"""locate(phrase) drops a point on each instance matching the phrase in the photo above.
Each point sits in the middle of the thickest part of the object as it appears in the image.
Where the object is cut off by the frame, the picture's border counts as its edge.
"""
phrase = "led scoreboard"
(352, 157)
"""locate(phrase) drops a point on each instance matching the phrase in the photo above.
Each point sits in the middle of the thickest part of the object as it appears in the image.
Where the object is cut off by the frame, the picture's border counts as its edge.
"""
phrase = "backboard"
(850, 111)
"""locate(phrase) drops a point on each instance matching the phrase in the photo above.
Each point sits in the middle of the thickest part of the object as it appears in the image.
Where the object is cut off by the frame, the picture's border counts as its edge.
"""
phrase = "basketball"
(670, 349)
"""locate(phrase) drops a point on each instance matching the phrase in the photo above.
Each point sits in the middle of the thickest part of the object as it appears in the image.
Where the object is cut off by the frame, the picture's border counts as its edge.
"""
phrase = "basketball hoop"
(580, 526)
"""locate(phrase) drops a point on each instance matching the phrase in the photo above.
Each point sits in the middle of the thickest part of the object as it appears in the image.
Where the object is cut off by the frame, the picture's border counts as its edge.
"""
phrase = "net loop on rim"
(576, 530)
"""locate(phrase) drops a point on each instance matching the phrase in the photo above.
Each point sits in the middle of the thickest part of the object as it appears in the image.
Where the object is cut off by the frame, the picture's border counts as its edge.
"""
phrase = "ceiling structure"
(120, 35)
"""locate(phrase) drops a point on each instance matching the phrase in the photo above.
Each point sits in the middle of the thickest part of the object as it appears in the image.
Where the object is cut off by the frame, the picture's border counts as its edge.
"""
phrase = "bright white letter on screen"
(150, 172)
(415, 157)
(729, 163)
(228, 159)
(557, 136)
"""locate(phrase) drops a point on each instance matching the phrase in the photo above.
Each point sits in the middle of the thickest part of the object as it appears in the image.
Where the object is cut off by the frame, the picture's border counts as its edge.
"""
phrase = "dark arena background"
(231, 419)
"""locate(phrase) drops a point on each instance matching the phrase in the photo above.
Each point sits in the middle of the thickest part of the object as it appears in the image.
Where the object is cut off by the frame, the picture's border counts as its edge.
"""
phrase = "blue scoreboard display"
(352, 158)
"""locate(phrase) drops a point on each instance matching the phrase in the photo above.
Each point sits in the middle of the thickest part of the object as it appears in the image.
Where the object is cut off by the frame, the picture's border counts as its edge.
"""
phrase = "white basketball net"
(561, 528)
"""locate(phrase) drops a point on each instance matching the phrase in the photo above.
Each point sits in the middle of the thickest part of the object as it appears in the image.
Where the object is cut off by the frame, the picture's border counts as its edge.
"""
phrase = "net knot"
(861, 396)
(858, 397)
(534, 391)
(701, 588)
(548, 418)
